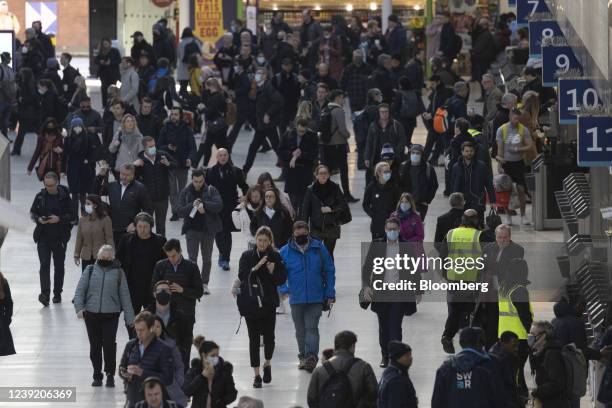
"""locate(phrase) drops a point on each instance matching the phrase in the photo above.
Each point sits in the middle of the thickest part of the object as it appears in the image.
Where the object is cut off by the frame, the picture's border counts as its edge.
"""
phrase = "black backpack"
(326, 123)
(336, 391)
(410, 105)
(190, 49)
(251, 296)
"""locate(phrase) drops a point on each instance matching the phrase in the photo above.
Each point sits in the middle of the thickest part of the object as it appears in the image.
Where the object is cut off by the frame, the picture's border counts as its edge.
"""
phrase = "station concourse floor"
(52, 347)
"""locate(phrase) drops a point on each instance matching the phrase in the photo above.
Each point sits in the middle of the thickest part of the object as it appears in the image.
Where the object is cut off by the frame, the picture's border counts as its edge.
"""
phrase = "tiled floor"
(52, 346)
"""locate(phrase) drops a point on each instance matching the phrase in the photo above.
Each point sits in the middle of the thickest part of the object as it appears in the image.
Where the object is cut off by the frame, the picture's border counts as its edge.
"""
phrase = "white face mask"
(404, 206)
(89, 209)
(415, 159)
(258, 78)
(213, 360)
(261, 60)
(42, 91)
(269, 212)
(77, 129)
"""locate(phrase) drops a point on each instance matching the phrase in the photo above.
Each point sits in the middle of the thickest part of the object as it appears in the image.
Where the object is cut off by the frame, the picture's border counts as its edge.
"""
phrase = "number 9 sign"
(557, 61)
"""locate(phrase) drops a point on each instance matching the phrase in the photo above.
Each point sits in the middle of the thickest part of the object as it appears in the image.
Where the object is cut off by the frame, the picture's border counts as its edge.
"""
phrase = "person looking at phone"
(53, 213)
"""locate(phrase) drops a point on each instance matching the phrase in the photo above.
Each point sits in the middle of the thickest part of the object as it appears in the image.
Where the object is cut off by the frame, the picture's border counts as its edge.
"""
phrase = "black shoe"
(280, 178)
(174, 217)
(97, 382)
(14, 153)
(447, 345)
(265, 149)
(481, 99)
(57, 298)
(257, 383)
(110, 381)
(351, 199)
(44, 299)
(384, 362)
(267, 377)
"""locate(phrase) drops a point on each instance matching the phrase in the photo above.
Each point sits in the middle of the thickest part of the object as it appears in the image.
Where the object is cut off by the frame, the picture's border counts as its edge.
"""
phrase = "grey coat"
(341, 133)
(213, 204)
(130, 83)
(104, 290)
(182, 68)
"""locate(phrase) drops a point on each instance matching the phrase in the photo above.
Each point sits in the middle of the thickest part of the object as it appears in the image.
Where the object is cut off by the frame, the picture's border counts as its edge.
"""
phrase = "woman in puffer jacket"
(101, 295)
(411, 226)
(244, 213)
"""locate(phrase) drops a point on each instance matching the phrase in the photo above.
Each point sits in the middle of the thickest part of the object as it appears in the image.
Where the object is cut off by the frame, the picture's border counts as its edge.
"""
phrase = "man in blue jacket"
(310, 286)
(395, 388)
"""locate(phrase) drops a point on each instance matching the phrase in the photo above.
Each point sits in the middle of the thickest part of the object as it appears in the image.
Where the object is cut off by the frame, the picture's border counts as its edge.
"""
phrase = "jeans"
(336, 156)
(258, 139)
(178, 181)
(102, 334)
(257, 327)
(390, 317)
(306, 320)
(223, 239)
(160, 210)
(200, 240)
(46, 250)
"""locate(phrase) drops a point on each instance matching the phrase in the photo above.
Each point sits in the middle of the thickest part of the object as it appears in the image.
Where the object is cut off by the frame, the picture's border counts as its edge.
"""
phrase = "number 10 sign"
(594, 141)
(574, 95)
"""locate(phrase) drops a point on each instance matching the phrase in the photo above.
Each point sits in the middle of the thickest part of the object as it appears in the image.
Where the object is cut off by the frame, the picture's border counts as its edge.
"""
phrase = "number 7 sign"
(594, 141)
(525, 9)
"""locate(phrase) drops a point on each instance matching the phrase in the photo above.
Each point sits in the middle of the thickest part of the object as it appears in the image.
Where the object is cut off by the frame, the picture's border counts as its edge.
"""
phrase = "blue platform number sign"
(539, 30)
(594, 141)
(525, 9)
(557, 61)
(575, 94)
(511, 3)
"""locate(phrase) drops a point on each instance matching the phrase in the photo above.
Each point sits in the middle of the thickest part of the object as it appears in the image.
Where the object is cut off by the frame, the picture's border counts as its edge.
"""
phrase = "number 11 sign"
(594, 141)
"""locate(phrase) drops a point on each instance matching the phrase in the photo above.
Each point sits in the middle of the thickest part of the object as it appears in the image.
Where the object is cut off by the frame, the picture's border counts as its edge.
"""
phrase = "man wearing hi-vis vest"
(515, 312)
(462, 244)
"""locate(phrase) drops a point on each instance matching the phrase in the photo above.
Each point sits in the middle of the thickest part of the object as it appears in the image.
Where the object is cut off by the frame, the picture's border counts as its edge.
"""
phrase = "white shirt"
(392, 275)
(123, 188)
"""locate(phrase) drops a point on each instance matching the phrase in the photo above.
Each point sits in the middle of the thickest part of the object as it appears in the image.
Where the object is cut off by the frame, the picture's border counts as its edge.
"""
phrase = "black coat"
(53, 232)
(241, 85)
(289, 87)
(570, 328)
(550, 377)
(155, 177)
(223, 389)
(188, 276)
(396, 389)
(6, 316)
(383, 80)
(109, 73)
(215, 105)
(181, 136)
(445, 223)
(51, 107)
(473, 182)
(139, 272)
(141, 46)
(179, 326)
(149, 125)
(29, 107)
(281, 225)
(269, 101)
(79, 161)
(227, 180)
(299, 177)
(269, 282)
(324, 225)
(428, 182)
(123, 209)
(507, 366)
(379, 201)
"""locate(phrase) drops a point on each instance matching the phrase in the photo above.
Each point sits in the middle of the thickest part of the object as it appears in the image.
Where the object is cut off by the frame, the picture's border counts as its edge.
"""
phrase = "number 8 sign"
(556, 61)
(539, 30)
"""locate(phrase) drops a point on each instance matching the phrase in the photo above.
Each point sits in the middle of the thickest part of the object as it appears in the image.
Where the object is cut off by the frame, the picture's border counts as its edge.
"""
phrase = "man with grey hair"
(382, 78)
(249, 402)
(502, 115)
(355, 81)
(492, 96)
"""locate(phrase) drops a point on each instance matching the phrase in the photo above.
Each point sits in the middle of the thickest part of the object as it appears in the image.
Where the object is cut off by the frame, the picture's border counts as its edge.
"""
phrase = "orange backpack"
(440, 120)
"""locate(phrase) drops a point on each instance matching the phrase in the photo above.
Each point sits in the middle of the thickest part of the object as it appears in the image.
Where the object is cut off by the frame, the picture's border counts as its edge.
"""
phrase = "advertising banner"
(208, 20)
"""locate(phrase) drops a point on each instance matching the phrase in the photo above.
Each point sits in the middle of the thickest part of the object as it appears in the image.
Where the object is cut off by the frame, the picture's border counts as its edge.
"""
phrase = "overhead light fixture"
(349, 7)
(373, 6)
(417, 7)
(318, 7)
(275, 7)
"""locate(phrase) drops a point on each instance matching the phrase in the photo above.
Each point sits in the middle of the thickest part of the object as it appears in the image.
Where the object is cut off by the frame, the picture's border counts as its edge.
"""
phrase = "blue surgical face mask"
(392, 235)
(415, 158)
(151, 151)
(386, 177)
(88, 209)
(214, 360)
(405, 207)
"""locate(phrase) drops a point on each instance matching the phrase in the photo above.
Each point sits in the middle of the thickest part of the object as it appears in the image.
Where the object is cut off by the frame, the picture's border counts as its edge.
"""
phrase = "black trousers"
(487, 318)
(458, 317)
(523, 354)
(102, 334)
(257, 327)
(422, 210)
(184, 340)
(434, 146)
(78, 202)
(104, 84)
(160, 211)
(183, 85)
(297, 199)
(390, 317)
(117, 235)
(361, 145)
(241, 119)
(336, 156)
(223, 239)
(86, 263)
(205, 149)
(46, 251)
(260, 135)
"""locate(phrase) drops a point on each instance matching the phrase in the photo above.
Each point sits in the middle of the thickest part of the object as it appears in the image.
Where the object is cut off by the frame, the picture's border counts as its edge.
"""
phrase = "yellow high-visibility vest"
(509, 319)
(464, 243)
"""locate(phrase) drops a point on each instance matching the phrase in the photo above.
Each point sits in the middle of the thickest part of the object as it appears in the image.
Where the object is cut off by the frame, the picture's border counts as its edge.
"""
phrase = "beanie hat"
(76, 121)
(387, 152)
(397, 349)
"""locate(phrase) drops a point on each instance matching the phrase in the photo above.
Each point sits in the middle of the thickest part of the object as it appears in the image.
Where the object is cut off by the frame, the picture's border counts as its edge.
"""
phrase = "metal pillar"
(387, 10)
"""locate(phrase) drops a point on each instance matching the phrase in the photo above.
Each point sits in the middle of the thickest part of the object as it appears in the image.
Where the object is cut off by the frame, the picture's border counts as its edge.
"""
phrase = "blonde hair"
(125, 118)
(304, 111)
(379, 167)
(213, 83)
(267, 232)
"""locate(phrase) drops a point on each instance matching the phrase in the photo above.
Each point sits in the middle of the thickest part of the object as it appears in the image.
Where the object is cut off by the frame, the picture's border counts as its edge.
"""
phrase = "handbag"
(363, 302)
(216, 126)
(231, 113)
(493, 219)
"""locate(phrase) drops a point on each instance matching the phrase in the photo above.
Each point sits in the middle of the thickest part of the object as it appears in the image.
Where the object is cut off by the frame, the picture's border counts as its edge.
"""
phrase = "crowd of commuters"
(295, 88)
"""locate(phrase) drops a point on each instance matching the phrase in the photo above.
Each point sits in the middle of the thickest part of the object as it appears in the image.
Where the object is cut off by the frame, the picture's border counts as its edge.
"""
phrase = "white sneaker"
(261, 341)
(282, 308)
(206, 291)
(524, 220)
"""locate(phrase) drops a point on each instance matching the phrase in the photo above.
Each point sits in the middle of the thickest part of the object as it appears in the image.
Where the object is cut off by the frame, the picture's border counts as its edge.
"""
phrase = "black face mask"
(105, 263)
(301, 239)
(163, 297)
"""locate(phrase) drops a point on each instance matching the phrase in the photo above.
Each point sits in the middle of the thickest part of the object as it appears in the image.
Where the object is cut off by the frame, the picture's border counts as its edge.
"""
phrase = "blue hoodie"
(305, 272)
(467, 379)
